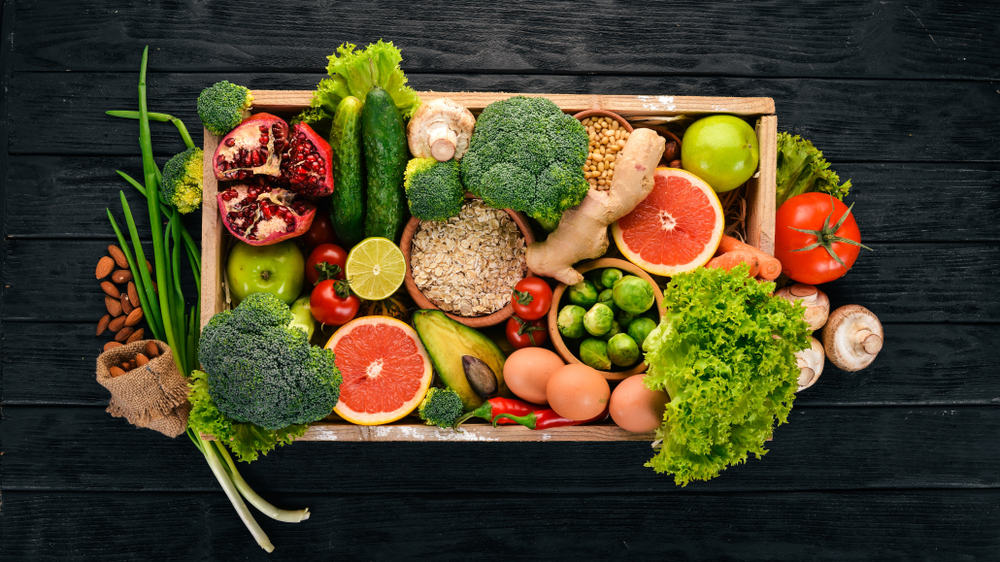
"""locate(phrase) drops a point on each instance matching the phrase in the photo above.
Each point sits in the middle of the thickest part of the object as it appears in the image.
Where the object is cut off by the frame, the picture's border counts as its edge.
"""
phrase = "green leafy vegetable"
(725, 354)
(433, 189)
(441, 407)
(802, 168)
(223, 105)
(182, 180)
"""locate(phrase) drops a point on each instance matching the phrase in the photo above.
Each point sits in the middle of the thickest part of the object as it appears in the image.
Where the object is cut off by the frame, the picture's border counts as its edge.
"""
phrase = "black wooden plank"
(931, 38)
(54, 280)
(921, 364)
(59, 448)
(851, 120)
(447, 526)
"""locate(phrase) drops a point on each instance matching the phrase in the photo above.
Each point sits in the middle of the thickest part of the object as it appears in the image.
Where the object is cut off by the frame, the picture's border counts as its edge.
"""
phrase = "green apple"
(302, 318)
(277, 269)
(720, 149)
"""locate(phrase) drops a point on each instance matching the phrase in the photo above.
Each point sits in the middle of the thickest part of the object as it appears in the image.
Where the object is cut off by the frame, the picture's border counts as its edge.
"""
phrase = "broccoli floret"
(264, 372)
(223, 105)
(433, 189)
(526, 154)
(182, 180)
(441, 407)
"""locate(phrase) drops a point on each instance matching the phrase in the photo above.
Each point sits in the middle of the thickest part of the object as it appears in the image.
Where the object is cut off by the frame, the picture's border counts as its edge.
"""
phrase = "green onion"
(161, 117)
(146, 284)
(136, 278)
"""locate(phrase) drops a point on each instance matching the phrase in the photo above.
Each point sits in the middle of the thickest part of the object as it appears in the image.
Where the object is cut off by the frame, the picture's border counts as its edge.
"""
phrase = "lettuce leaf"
(725, 354)
(246, 440)
(802, 168)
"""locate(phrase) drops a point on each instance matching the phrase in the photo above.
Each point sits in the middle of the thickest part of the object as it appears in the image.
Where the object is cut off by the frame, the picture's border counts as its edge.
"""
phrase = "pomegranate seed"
(230, 141)
(263, 128)
(220, 159)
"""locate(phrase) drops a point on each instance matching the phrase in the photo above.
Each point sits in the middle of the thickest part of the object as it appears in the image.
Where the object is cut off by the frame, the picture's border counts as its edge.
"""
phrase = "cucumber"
(385, 161)
(347, 204)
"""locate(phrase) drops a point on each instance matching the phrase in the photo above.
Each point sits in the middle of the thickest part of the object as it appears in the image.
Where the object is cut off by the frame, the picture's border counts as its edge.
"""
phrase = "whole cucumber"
(385, 161)
(347, 204)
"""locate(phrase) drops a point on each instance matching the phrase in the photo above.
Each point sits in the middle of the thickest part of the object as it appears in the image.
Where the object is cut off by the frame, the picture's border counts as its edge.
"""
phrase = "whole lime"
(720, 149)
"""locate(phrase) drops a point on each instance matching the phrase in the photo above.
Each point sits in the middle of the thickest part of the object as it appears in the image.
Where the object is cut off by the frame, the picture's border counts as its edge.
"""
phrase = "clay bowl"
(557, 339)
(423, 302)
(604, 113)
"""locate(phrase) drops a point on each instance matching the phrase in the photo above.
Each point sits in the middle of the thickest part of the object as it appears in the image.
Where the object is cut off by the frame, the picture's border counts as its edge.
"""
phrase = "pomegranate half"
(307, 164)
(254, 148)
(261, 214)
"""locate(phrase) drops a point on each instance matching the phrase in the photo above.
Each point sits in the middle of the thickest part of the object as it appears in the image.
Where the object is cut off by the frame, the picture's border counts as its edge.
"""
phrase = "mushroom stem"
(442, 141)
(869, 341)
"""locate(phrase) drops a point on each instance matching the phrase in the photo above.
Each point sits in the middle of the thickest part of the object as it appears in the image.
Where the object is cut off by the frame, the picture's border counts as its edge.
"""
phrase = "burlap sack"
(152, 396)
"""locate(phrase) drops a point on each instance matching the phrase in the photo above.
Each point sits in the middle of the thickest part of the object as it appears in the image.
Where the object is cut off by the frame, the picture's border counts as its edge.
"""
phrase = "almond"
(104, 267)
(121, 276)
(136, 335)
(126, 304)
(102, 324)
(117, 324)
(152, 350)
(116, 371)
(123, 334)
(126, 365)
(140, 359)
(116, 254)
(109, 289)
(134, 317)
(133, 294)
(111, 345)
(149, 266)
(114, 306)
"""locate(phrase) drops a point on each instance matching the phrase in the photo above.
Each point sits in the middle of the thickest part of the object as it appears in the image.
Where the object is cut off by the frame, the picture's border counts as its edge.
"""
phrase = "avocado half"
(446, 342)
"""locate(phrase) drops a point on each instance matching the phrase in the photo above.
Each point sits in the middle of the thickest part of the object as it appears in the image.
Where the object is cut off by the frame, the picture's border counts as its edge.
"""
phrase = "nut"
(117, 324)
(126, 365)
(152, 350)
(670, 151)
(104, 267)
(109, 289)
(133, 294)
(607, 138)
(136, 335)
(111, 345)
(126, 304)
(102, 324)
(123, 334)
(149, 266)
(116, 371)
(114, 306)
(141, 359)
(134, 317)
(121, 276)
(118, 255)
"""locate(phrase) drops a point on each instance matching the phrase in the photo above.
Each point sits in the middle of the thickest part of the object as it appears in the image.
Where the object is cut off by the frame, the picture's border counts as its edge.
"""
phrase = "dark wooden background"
(901, 461)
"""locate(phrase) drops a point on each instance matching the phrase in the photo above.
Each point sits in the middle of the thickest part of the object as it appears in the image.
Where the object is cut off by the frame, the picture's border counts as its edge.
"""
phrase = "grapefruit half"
(386, 369)
(676, 228)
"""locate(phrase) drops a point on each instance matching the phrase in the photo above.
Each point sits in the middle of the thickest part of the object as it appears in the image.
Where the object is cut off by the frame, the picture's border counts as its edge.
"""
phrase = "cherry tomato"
(525, 333)
(329, 253)
(332, 303)
(532, 298)
(816, 238)
(321, 231)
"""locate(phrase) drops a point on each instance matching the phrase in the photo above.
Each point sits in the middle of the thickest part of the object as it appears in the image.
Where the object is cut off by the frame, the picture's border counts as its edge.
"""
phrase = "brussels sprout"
(605, 298)
(583, 294)
(623, 351)
(633, 294)
(597, 321)
(640, 328)
(594, 353)
(624, 318)
(570, 321)
(615, 329)
(610, 276)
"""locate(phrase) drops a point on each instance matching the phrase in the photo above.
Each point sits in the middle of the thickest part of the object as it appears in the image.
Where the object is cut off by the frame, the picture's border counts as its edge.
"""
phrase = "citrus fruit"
(375, 268)
(675, 229)
(386, 370)
(720, 149)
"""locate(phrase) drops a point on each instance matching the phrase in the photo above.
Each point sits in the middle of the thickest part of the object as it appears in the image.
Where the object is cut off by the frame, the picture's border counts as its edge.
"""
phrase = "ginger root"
(583, 230)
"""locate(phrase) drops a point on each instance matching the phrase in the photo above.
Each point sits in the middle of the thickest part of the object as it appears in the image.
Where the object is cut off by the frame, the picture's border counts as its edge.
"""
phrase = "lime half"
(375, 268)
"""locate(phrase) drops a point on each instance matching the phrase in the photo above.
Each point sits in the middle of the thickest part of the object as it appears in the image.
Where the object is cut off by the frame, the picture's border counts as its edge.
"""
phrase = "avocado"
(446, 342)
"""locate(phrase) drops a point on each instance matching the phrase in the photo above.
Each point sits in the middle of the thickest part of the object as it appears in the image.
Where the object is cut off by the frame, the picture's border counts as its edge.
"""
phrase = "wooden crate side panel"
(333, 431)
(761, 203)
(212, 292)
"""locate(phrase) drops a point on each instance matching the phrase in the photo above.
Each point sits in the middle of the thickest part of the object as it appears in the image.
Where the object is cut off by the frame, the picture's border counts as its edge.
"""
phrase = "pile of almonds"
(148, 352)
(120, 298)
(607, 138)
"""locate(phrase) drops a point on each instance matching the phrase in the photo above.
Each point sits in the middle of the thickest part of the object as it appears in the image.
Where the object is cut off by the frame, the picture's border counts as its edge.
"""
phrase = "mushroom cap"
(810, 363)
(816, 302)
(852, 337)
(440, 129)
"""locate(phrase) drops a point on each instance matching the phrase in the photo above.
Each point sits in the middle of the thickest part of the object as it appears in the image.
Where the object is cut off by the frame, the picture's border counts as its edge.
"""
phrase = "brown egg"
(527, 371)
(577, 392)
(636, 408)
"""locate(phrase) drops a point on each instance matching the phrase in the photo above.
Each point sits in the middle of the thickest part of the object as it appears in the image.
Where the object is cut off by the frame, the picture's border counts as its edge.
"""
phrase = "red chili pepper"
(495, 407)
(544, 419)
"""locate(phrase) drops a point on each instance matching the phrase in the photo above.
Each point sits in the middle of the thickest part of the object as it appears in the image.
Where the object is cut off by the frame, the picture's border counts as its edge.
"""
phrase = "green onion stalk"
(164, 304)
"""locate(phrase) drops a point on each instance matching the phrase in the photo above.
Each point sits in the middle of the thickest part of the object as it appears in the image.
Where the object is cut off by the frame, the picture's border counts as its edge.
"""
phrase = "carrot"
(769, 266)
(729, 260)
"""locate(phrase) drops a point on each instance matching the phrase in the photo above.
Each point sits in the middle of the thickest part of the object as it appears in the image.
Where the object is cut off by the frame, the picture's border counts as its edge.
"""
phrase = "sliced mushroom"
(810, 363)
(440, 129)
(816, 302)
(852, 337)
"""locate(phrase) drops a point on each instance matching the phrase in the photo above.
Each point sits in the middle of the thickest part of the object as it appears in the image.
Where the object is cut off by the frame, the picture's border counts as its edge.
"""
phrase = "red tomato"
(321, 231)
(331, 302)
(816, 238)
(532, 298)
(522, 333)
(329, 253)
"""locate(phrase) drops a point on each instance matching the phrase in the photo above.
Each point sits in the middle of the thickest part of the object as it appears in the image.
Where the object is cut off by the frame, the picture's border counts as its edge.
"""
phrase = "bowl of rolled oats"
(467, 266)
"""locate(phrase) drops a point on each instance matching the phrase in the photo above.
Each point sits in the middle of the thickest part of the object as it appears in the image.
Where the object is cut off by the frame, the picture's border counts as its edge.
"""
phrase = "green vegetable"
(605, 297)
(802, 168)
(597, 321)
(616, 329)
(625, 318)
(583, 294)
(633, 294)
(570, 321)
(594, 353)
(433, 189)
(385, 160)
(264, 372)
(182, 180)
(441, 407)
(347, 203)
(724, 352)
(526, 154)
(622, 350)
(610, 276)
(223, 105)
(640, 328)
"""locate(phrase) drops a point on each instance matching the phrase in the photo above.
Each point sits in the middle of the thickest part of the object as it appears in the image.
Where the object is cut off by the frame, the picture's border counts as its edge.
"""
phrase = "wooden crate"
(759, 225)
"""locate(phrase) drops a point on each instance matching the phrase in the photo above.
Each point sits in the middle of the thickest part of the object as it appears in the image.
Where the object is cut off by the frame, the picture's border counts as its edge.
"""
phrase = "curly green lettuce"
(725, 354)
(802, 169)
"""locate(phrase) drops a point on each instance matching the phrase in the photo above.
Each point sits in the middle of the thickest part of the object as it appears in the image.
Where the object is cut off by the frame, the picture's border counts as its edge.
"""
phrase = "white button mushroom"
(440, 129)
(816, 302)
(852, 337)
(810, 363)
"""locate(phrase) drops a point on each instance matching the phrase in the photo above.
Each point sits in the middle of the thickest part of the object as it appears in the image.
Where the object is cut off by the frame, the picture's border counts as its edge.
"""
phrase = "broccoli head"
(182, 180)
(441, 407)
(527, 155)
(262, 371)
(433, 189)
(223, 105)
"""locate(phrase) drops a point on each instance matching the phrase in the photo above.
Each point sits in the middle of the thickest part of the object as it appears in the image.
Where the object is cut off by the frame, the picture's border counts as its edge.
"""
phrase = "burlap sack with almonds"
(153, 395)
